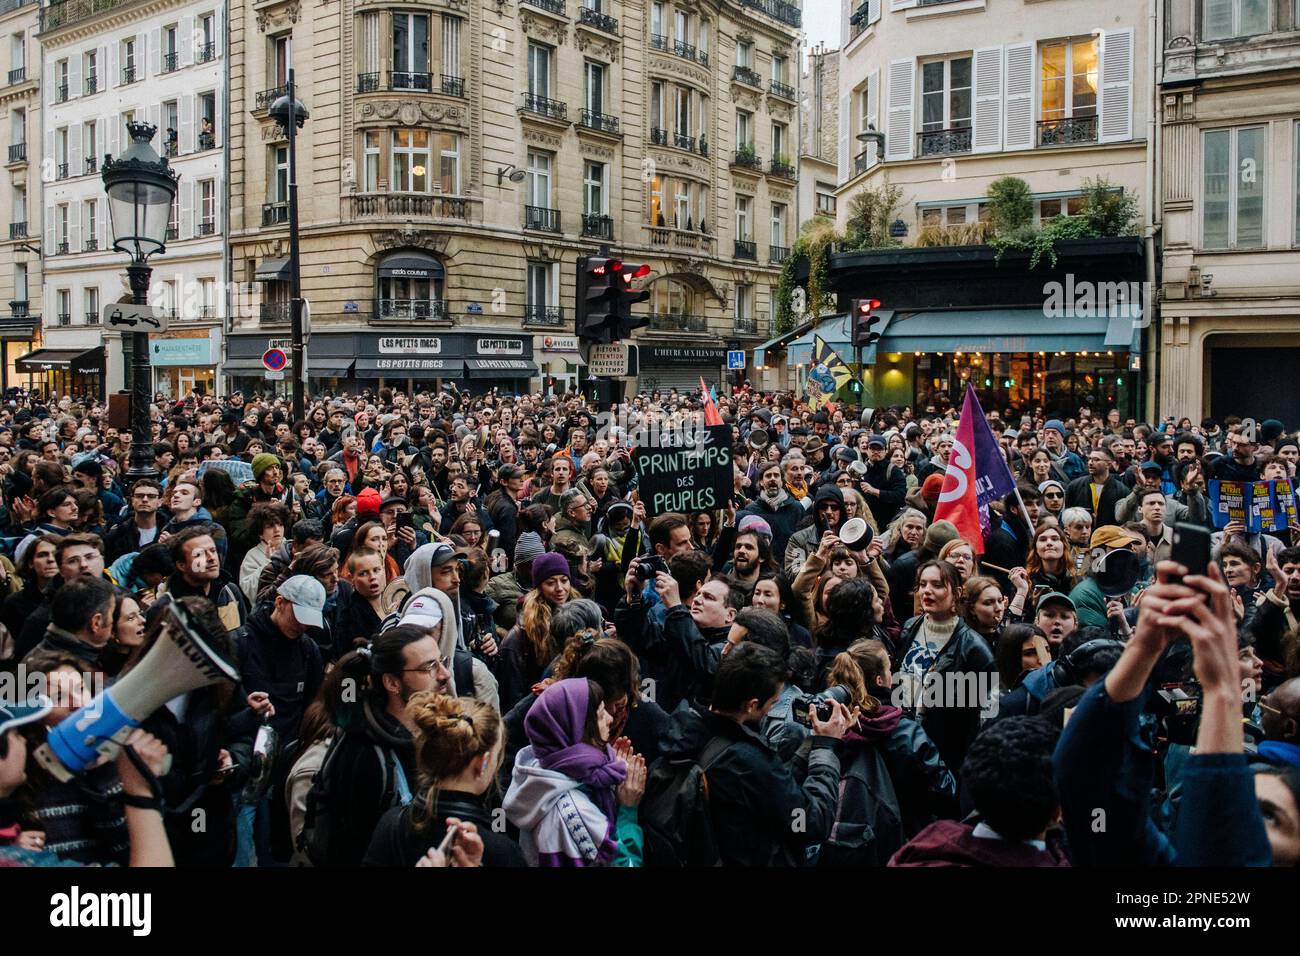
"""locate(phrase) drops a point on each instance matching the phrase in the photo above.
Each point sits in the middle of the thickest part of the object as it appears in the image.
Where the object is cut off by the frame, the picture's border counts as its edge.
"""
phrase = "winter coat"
(953, 843)
(290, 670)
(807, 539)
(783, 517)
(396, 842)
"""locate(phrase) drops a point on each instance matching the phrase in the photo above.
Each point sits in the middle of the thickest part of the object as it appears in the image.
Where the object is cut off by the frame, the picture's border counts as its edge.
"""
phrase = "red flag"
(711, 416)
(958, 501)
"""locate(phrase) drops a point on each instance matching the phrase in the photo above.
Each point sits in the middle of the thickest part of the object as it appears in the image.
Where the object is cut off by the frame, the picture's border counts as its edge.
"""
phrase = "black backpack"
(674, 815)
(319, 823)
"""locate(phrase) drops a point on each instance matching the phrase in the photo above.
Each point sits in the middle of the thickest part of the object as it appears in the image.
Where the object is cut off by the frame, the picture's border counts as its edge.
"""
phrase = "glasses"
(431, 667)
(1052, 494)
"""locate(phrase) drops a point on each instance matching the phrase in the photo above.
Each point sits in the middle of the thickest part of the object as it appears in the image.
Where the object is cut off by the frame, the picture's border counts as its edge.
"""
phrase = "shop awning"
(837, 332)
(501, 368)
(410, 266)
(80, 361)
(329, 366)
(1008, 331)
(243, 365)
(778, 342)
(272, 270)
(1124, 330)
(412, 365)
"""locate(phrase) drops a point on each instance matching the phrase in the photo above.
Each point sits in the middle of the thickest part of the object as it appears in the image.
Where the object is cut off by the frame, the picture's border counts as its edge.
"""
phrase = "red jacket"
(950, 843)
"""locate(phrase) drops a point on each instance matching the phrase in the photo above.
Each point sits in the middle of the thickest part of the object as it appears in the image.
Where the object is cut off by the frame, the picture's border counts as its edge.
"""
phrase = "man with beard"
(1162, 453)
(827, 515)
(332, 436)
(461, 501)
(434, 456)
(775, 506)
(751, 555)
(937, 465)
(561, 471)
(1098, 491)
(1278, 615)
(884, 485)
(1241, 464)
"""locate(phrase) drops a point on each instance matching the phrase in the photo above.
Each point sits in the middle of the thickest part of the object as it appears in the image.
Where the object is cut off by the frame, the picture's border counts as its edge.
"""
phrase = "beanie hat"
(261, 463)
(367, 502)
(1056, 425)
(528, 547)
(939, 534)
(931, 488)
(1269, 429)
(755, 524)
(548, 565)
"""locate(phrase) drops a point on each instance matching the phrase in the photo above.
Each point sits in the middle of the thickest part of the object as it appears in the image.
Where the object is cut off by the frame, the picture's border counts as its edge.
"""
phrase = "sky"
(821, 21)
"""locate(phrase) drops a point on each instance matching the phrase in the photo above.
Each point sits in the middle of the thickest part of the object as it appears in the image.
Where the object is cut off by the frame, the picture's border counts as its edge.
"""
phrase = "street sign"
(607, 360)
(735, 360)
(273, 376)
(275, 360)
(135, 318)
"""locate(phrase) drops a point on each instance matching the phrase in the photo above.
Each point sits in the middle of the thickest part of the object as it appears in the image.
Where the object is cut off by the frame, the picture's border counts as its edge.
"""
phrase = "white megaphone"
(179, 661)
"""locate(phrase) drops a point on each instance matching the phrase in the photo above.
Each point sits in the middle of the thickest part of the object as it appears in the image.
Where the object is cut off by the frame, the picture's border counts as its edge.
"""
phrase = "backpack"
(674, 814)
(320, 822)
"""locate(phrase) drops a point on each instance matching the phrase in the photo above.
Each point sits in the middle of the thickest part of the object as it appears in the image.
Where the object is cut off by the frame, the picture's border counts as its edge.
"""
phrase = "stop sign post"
(275, 360)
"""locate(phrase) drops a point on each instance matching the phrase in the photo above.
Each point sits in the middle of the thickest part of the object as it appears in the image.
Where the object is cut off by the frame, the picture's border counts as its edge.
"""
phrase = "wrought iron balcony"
(206, 53)
(92, 166)
(92, 318)
(91, 84)
(170, 62)
(366, 83)
(18, 75)
(746, 249)
(541, 219)
(862, 161)
(544, 106)
(273, 313)
(65, 318)
(678, 322)
(747, 158)
(264, 99)
(171, 148)
(61, 171)
(17, 152)
(551, 316)
(92, 245)
(598, 227)
(453, 85)
(421, 82)
(275, 213)
(658, 41)
(601, 21)
(658, 137)
(783, 169)
(603, 122)
(682, 141)
(550, 6)
(207, 227)
(941, 142)
(783, 90)
(18, 309)
(17, 230)
(743, 74)
(777, 254)
(689, 52)
(786, 13)
(1067, 132)
(207, 141)
(173, 233)
(128, 74)
(411, 206)
(746, 325)
(61, 93)
(434, 310)
(61, 248)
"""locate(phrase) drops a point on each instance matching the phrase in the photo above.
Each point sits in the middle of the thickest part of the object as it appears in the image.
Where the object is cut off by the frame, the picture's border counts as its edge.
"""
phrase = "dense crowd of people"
(464, 639)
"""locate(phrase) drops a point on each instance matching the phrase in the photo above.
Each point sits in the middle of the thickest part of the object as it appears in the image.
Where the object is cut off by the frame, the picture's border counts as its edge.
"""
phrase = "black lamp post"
(290, 115)
(141, 187)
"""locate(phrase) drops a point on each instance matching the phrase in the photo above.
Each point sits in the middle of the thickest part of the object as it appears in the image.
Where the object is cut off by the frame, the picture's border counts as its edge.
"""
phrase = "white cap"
(307, 595)
(423, 611)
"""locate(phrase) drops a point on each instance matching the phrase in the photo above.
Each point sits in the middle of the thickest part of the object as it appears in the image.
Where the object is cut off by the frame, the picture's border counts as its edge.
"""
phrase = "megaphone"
(179, 661)
(758, 439)
(1117, 571)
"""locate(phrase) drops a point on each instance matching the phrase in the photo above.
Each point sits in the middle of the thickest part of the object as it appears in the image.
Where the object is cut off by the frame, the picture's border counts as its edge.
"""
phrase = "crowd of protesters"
(471, 642)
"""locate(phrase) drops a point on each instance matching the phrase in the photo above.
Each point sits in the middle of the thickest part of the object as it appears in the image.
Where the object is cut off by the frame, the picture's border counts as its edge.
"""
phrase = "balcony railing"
(690, 52)
(683, 141)
(544, 106)
(598, 227)
(420, 82)
(743, 74)
(862, 162)
(453, 85)
(366, 83)
(673, 238)
(783, 169)
(275, 213)
(551, 316)
(783, 90)
(61, 248)
(61, 171)
(273, 313)
(173, 233)
(91, 84)
(92, 245)
(207, 141)
(601, 21)
(264, 99)
(669, 322)
(1067, 132)
(92, 318)
(746, 250)
(18, 309)
(746, 325)
(777, 254)
(128, 75)
(61, 93)
(206, 53)
(787, 13)
(92, 166)
(747, 158)
(551, 6)
(18, 75)
(65, 318)
(70, 11)
(170, 62)
(171, 148)
(602, 122)
(541, 219)
(941, 142)
(434, 310)
(658, 137)
(658, 41)
(17, 230)
(17, 152)
(207, 227)
(411, 206)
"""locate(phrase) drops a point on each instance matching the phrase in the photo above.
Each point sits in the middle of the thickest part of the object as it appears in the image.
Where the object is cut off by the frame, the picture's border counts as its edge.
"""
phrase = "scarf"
(555, 725)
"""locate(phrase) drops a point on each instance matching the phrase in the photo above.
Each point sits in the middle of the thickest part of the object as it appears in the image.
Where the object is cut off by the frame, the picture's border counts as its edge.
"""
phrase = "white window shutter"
(873, 11)
(74, 75)
(901, 4)
(154, 115)
(1018, 121)
(109, 75)
(987, 137)
(49, 160)
(187, 209)
(901, 126)
(74, 227)
(873, 114)
(1116, 86)
(51, 240)
(75, 166)
(846, 11)
(49, 76)
(187, 40)
(113, 130)
(845, 156)
(186, 132)
(155, 51)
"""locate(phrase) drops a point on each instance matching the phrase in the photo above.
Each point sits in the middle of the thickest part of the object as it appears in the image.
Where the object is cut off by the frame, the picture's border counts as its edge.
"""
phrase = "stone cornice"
(109, 20)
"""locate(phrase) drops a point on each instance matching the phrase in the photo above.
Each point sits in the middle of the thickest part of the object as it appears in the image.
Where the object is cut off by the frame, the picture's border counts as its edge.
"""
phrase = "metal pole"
(142, 459)
(295, 273)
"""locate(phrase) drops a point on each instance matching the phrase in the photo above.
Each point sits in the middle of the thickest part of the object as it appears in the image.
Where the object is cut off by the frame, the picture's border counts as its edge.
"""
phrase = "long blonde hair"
(535, 622)
(450, 732)
(857, 669)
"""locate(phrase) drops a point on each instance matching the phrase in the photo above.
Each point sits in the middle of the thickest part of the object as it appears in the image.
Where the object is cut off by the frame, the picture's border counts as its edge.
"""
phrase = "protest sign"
(1262, 506)
(1284, 495)
(687, 478)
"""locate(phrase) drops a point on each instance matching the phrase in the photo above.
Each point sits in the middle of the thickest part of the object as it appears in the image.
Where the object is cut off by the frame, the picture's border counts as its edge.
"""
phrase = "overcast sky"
(821, 21)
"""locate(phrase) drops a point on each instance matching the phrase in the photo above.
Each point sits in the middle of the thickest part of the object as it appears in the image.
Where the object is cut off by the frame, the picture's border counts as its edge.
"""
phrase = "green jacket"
(1090, 603)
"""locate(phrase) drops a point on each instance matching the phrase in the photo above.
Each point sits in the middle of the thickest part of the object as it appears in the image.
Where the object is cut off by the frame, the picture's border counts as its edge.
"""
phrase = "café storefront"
(665, 367)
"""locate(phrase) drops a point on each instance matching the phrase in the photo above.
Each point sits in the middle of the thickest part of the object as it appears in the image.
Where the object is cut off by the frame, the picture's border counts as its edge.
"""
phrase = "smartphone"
(405, 520)
(1191, 548)
(448, 841)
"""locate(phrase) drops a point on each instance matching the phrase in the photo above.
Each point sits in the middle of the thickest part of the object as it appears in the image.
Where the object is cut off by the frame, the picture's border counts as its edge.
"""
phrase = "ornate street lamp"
(290, 115)
(141, 187)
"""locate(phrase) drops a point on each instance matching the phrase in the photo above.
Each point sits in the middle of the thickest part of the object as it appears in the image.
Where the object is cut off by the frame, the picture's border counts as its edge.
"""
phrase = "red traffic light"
(607, 265)
(867, 306)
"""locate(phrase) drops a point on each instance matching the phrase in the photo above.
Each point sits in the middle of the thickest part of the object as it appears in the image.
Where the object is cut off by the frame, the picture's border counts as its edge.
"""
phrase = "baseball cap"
(442, 553)
(1112, 536)
(1056, 597)
(876, 441)
(1152, 466)
(29, 711)
(422, 610)
(307, 595)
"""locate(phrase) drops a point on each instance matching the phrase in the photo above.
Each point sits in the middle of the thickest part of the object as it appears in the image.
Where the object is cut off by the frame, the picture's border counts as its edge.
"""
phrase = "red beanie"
(368, 502)
(930, 488)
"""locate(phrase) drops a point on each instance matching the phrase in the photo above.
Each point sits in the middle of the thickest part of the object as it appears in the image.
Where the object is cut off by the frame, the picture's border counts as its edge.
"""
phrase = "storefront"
(664, 367)
(184, 363)
(559, 361)
(18, 337)
(75, 372)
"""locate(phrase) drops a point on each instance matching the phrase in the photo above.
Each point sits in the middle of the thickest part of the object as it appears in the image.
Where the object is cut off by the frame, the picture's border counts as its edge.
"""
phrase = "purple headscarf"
(555, 725)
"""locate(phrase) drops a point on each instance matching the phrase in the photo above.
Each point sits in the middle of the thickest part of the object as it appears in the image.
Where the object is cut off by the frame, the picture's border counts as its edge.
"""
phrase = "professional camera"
(1179, 708)
(647, 568)
(801, 707)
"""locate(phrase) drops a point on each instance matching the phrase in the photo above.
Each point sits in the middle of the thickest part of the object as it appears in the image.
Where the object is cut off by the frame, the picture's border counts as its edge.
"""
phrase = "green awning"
(778, 342)
(1011, 330)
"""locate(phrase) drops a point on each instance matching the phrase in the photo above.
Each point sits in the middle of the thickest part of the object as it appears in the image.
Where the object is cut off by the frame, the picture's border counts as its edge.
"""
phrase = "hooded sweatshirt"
(805, 541)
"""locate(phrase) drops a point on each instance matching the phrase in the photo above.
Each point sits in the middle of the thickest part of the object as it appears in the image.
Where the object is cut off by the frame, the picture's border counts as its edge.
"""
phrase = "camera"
(1179, 708)
(647, 568)
(801, 708)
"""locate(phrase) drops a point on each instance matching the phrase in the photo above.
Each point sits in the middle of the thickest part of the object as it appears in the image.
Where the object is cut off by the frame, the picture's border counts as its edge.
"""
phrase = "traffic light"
(865, 322)
(606, 297)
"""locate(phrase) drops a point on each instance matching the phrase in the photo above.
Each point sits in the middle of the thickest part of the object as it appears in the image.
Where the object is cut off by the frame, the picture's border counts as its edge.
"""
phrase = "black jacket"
(753, 796)
(1079, 495)
(675, 656)
(395, 842)
(289, 670)
(124, 538)
(892, 485)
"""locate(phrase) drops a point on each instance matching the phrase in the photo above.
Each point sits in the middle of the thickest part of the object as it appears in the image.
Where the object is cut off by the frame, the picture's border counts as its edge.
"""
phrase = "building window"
(778, 224)
(20, 281)
(745, 55)
(539, 179)
(593, 189)
(280, 173)
(370, 162)
(128, 60)
(1234, 163)
(65, 306)
(450, 46)
(170, 57)
(539, 70)
(825, 199)
(90, 224)
(1224, 19)
(208, 298)
(171, 126)
(656, 210)
(744, 129)
(281, 58)
(744, 301)
(682, 112)
(207, 207)
(945, 94)
(656, 105)
(207, 121)
(779, 143)
(1069, 80)
(778, 69)
(90, 71)
(208, 36)
(670, 297)
(92, 306)
(411, 160)
(410, 51)
(658, 37)
(448, 145)
(541, 287)
(174, 218)
(1049, 209)
(742, 218)
(18, 52)
(90, 137)
(594, 78)
(63, 228)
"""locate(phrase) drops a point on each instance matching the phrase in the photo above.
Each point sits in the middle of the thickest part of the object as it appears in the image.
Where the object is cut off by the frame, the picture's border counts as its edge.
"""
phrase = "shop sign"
(560, 343)
(500, 346)
(397, 345)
